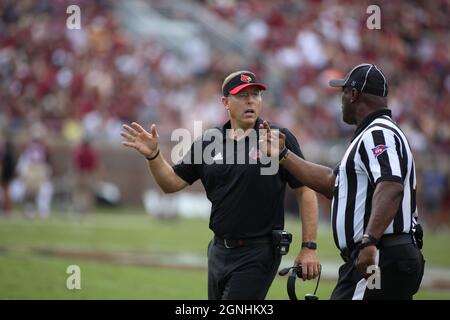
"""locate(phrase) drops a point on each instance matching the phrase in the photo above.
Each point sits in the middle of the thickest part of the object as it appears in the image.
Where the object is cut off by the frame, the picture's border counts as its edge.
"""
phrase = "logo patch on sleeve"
(379, 150)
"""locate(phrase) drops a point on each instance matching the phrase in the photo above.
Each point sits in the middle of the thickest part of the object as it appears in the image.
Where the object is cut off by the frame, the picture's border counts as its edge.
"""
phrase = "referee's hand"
(271, 142)
(141, 140)
(366, 258)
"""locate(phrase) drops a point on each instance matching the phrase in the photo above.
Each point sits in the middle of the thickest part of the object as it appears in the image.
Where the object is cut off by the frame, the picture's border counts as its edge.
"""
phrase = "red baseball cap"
(239, 80)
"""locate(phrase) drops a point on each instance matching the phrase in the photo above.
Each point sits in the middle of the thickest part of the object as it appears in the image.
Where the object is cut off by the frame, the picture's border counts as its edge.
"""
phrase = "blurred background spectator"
(34, 173)
(163, 62)
(7, 167)
(86, 171)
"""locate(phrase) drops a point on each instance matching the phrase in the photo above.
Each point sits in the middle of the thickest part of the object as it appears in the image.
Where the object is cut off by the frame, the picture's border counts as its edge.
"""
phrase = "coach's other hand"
(271, 142)
(309, 260)
(138, 138)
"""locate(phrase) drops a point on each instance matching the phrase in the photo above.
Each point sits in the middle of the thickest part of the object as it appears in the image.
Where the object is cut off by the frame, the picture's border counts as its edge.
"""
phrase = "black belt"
(392, 240)
(389, 240)
(237, 243)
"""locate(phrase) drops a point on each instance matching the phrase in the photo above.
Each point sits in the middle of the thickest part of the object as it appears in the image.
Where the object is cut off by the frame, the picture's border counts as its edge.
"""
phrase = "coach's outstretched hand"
(140, 139)
(271, 142)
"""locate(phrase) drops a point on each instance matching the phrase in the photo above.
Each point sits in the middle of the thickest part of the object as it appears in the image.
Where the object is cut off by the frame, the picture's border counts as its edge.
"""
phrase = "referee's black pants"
(242, 273)
(401, 270)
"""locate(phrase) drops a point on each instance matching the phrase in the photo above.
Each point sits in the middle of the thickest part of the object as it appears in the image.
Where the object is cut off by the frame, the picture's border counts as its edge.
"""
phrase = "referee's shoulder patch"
(379, 149)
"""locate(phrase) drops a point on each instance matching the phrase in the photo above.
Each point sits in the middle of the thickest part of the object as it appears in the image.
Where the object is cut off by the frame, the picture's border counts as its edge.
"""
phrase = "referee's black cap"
(366, 78)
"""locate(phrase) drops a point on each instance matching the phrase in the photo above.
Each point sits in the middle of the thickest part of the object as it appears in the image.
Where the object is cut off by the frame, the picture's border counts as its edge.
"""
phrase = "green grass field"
(26, 273)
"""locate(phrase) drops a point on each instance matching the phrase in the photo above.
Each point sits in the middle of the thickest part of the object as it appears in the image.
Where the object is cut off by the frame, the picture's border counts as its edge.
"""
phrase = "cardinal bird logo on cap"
(245, 78)
(379, 150)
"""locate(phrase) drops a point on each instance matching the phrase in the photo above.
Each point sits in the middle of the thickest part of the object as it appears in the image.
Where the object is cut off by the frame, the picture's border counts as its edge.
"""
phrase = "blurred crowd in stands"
(85, 83)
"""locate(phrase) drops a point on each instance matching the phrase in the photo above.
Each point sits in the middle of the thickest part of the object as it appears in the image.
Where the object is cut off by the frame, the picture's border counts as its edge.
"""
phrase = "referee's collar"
(368, 120)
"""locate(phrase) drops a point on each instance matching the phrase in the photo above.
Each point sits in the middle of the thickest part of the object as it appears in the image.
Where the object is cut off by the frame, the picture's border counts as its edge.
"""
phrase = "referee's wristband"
(370, 238)
(370, 241)
(154, 157)
(283, 154)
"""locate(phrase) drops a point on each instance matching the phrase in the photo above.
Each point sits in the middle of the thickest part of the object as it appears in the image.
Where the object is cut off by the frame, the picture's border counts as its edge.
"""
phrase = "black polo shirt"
(245, 203)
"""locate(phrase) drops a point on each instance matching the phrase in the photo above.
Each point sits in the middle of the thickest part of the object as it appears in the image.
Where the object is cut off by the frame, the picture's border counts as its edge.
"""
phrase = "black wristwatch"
(310, 245)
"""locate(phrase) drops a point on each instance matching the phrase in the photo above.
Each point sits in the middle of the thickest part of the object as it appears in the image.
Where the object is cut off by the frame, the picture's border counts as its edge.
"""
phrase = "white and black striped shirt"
(378, 152)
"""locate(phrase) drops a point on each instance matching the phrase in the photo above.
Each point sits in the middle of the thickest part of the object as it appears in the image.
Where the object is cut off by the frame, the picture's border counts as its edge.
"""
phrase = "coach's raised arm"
(146, 143)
